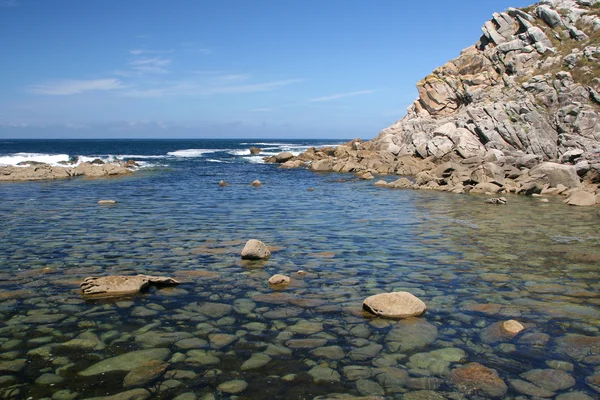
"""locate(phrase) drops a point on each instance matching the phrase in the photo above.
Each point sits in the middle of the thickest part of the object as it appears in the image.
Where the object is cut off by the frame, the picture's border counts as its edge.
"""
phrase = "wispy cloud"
(74, 86)
(151, 65)
(341, 95)
(138, 52)
(188, 88)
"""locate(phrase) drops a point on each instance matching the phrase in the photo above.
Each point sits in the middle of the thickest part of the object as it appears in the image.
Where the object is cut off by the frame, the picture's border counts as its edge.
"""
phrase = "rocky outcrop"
(34, 171)
(518, 112)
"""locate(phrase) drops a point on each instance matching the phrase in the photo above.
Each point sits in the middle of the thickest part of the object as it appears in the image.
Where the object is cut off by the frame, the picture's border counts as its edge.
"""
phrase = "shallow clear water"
(472, 263)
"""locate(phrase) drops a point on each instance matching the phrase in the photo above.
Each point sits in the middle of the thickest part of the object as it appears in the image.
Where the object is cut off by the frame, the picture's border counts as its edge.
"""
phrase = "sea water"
(224, 333)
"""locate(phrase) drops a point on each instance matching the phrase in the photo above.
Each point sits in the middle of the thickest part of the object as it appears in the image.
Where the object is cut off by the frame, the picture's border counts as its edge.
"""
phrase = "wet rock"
(323, 374)
(393, 380)
(65, 394)
(233, 387)
(255, 250)
(145, 374)
(86, 340)
(437, 361)
(13, 365)
(118, 285)
(215, 310)
(366, 352)
(574, 396)
(154, 339)
(202, 357)
(279, 280)
(126, 362)
(305, 327)
(579, 347)
(222, 183)
(134, 394)
(534, 339)
(423, 395)
(474, 378)
(500, 331)
(549, 379)
(255, 150)
(256, 361)
(107, 202)
(48, 379)
(256, 183)
(356, 372)
(329, 352)
(529, 389)
(191, 343)
(367, 387)
(219, 340)
(560, 365)
(394, 305)
(593, 381)
(411, 334)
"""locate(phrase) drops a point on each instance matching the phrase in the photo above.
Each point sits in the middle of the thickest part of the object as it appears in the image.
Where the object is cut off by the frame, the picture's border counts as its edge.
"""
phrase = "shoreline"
(36, 171)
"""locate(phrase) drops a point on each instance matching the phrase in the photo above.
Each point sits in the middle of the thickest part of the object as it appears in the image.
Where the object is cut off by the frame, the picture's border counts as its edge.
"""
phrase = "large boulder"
(394, 305)
(581, 198)
(119, 285)
(255, 250)
(283, 157)
(558, 174)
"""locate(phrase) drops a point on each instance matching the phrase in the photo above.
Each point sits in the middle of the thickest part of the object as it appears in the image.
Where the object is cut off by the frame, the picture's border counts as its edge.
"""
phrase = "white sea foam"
(243, 152)
(136, 156)
(191, 152)
(15, 158)
(255, 160)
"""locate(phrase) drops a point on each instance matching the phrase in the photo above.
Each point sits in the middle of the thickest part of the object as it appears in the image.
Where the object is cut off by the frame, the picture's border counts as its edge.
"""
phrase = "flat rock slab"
(119, 285)
(126, 362)
(394, 305)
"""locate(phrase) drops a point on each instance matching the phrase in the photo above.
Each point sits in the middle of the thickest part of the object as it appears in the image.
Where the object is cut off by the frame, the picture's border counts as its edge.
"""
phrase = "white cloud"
(341, 95)
(74, 86)
(187, 88)
(151, 65)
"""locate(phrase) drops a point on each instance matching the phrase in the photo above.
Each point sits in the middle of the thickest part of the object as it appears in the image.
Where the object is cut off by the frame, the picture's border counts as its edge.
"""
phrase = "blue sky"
(237, 68)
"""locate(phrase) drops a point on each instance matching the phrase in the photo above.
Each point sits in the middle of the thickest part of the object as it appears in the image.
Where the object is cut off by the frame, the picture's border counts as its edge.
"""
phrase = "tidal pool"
(224, 333)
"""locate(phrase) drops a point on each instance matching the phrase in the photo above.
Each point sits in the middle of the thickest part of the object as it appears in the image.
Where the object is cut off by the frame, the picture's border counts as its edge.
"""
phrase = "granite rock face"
(518, 112)
(530, 85)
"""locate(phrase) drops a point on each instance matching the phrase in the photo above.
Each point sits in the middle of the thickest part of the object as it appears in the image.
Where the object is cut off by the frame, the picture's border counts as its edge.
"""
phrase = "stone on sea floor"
(323, 374)
(145, 374)
(437, 361)
(392, 379)
(593, 381)
(474, 377)
(530, 389)
(549, 379)
(394, 305)
(411, 334)
(233, 387)
(154, 338)
(134, 394)
(118, 285)
(579, 347)
(255, 250)
(256, 361)
(218, 340)
(329, 352)
(574, 396)
(13, 365)
(256, 183)
(304, 327)
(86, 340)
(279, 280)
(48, 379)
(107, 201)
(126, 362)
(500, 331)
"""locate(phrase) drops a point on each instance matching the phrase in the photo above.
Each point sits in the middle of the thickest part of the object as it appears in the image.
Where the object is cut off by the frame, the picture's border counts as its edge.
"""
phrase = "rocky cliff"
(530, 85)
(518, 112)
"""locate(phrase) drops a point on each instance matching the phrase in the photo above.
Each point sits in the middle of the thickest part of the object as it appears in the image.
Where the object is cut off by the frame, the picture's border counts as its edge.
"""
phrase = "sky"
(223, 68)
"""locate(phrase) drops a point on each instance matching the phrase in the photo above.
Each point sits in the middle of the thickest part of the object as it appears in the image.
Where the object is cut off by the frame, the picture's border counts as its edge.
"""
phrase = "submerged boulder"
(279, 280)
(394, 305)
(118, 285)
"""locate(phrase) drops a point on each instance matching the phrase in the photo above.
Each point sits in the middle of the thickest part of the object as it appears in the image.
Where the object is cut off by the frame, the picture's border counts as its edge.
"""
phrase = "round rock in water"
(394, 305)
(255, 250)
(256, 183)
(279, 280)
(512, 327)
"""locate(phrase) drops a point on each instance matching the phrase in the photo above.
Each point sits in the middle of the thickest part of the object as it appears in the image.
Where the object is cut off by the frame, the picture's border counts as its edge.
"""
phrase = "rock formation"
(519, 112)
(32, 171)
(118, 285)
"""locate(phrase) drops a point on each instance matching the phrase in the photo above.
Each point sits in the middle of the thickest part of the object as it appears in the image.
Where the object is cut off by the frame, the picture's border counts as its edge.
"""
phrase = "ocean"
(224, 333)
